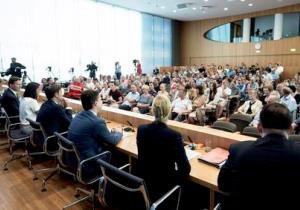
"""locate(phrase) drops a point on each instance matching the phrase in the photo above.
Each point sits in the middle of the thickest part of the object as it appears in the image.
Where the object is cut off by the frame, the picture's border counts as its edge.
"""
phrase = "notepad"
(191, 154)
(215, 157)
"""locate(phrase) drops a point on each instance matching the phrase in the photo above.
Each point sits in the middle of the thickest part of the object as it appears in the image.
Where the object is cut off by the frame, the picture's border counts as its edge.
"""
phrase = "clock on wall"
(258, 46)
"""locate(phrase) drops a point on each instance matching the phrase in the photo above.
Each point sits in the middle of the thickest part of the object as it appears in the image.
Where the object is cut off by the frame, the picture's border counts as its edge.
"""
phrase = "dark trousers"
(118, 75)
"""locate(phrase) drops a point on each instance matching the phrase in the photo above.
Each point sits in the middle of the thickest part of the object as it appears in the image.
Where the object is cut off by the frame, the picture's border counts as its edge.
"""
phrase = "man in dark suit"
(261, 174)
(10, 101)
(89, 132)
(54, 115)
(162, 160)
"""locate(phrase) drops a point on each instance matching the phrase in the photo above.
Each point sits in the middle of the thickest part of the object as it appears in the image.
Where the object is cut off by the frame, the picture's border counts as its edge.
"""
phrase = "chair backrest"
(7, 120)
(240, 120)
(251, 131)
(38, 134)
(225, 126)
(232, 105)
(122, 189)
(3, 122)
(68, 154)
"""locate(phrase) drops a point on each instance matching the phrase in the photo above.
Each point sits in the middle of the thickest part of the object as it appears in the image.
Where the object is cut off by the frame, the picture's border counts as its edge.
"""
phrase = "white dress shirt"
(180, 105)
(29, 108)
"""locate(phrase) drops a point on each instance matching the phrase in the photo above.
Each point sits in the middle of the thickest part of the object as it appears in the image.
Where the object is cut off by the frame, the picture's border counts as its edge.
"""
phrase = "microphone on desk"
(129, 123)
(190, 140)
(192, 145)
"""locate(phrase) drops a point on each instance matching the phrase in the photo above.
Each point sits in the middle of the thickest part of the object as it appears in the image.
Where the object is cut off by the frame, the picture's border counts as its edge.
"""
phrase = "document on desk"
(215, 157)
(191, 154)
(127, 134)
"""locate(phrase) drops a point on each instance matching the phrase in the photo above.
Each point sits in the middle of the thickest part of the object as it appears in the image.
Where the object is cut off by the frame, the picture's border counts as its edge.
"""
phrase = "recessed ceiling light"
(174, 11)
(206, 0)
(162, 7)
(250, 5)
(242, 0)
(293, 49)
(194, 8)
(225, 8)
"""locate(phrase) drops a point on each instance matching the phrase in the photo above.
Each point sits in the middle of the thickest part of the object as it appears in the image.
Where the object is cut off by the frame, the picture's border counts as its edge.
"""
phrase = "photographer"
(14, 69)
(92, 68)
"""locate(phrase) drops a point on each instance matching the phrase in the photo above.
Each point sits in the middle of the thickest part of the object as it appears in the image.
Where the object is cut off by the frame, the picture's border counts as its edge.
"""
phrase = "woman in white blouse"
(29, 106)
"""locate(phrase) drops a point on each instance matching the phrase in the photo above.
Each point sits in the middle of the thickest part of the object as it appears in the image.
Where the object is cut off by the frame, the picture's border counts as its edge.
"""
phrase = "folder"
(216, 157)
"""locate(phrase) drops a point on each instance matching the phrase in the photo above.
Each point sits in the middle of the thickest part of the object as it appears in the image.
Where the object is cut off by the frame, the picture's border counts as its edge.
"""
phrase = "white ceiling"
(168, 8)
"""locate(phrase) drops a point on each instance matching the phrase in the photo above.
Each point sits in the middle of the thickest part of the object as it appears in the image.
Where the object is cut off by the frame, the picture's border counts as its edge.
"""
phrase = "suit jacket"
(162, 161)
(89, 132)
(261, 174)
(54, 118)
(10, 103)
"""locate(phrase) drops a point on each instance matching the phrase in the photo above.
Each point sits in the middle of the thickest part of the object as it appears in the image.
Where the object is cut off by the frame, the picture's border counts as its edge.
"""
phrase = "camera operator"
(15, 69)
(156, 71)
(92, 68)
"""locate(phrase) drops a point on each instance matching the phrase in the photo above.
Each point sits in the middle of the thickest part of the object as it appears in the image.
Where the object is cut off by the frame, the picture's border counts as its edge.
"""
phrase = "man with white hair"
(274, 97)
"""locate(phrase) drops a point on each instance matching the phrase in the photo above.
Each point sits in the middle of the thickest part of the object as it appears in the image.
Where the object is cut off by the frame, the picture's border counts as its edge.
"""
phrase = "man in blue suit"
(89, 132)
(54, 115)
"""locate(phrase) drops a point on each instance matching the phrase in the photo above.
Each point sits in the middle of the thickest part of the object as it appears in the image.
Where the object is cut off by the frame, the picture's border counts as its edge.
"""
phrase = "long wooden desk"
(198, 134)
(201, 173)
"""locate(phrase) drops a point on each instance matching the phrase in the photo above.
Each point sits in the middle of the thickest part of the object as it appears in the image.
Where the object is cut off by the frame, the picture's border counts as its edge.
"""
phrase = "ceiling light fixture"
(194, 8)
(225, 8)
(250, 5)
(174, 11)
(162, 7)
(242, 0)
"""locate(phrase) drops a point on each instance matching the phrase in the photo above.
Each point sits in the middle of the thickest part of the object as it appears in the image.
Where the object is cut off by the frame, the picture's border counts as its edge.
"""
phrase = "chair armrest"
(217, 207)
(12, 117)
(14, 124)
(81, 164)
(94, 157)
(165, 196)
(46, 144)
(125, 166)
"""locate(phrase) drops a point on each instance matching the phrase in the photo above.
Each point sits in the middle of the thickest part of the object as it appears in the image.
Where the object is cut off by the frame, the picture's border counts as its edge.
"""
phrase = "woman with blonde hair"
(159, 149)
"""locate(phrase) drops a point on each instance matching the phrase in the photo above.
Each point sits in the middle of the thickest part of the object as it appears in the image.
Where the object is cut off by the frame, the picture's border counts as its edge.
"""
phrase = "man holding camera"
(15, 68)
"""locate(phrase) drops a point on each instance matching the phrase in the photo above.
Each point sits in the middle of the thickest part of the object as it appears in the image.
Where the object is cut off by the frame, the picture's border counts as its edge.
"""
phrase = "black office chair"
(3, 130)
(240, 120)
(45, 145)
(122, 190)
(251, 131)
(15, 136)
(224, 126)
(232, 105)
(70, 163)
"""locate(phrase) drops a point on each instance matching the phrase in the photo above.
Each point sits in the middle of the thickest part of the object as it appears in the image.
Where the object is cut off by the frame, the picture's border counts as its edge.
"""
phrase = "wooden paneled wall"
(195, 49)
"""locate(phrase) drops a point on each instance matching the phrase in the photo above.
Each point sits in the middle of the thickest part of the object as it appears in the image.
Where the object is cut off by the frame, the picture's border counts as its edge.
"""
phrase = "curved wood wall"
(195, 49)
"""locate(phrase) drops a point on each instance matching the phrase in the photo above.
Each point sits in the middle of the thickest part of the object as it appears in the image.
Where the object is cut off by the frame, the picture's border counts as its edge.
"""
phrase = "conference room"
(131, 105)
